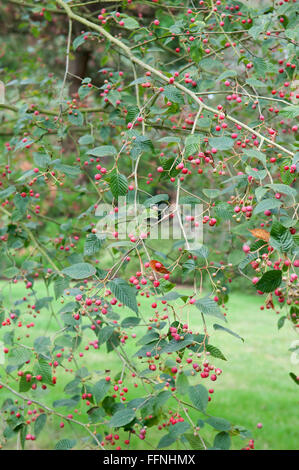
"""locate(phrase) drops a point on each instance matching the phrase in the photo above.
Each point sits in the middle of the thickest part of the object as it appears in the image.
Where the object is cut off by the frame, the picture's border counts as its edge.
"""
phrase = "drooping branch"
(160, 75)
(53, 412)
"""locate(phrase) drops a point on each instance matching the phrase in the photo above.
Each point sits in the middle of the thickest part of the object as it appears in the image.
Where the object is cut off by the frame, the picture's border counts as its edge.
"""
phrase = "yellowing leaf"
(158, 267)
(261, 234)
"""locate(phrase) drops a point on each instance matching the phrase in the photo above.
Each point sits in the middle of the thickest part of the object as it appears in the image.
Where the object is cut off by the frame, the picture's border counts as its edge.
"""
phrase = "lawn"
(254, 387)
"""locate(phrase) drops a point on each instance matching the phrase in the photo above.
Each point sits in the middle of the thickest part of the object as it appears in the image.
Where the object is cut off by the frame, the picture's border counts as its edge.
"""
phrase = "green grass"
(254, 387)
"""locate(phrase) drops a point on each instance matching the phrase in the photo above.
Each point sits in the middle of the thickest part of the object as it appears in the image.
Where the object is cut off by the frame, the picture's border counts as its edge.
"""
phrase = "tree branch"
(160, 75)
(66, 418)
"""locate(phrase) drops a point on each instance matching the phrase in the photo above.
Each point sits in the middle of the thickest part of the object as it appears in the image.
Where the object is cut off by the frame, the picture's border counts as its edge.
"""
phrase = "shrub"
(185, 117)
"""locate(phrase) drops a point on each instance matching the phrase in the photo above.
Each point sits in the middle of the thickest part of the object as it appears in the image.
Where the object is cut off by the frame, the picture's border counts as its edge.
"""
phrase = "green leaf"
(194, 441)
(41, 160)
(179, 428)
(220, 327)
(208, 306)
(175, 432)
(220, 424)
(252, 255)
(160, 400)
(76, 118)
(215, 352)
(114, 96)
(269, 281)
(174, 345)
(223, 211)
(192, 144)
(177, 27)
(202, 252)
(170, 139)
(78, 41)
(257, 174)
(260, 25)
(151, 348)
(7, 192)
(83, 91)
(23, 433)
(80, 271)
(130, 23)
(21, 145)
(96, 414)
(173, 94)
(68, 308)
(280, 237)
(43, 302)
(281, 322)
(199, 397)
(267, 204)
(204, 123)
(42, 345)
(255, 83)
(226, 74)
(66, 402)
(211, 193)
(130, 322)
(67, 169)
(170, 296)
(196, 51)
(60, 284)
(44, 369)
(182, 384)
(169, 167)
(92, 244)
(100, 390)
(40, 423)
(118, 184)
(290, 112)
(124, 293)
(150, 337)
(86, 139)
(20, 203)
(222, 441)
(19, 355)
(221, 143)
(260, 66)
(286, 176)
(166, 441)
(142, 143)
(72, 387)
(139, 81)
(294, 377)
(11, 272)
(292, 34)
(24, 385)
(284, 189)
(156, 199)
(121, 418)
(132, 113)
(103, 151)
(105, 333)
(260, 192)
(252, 153)
(65, 444)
